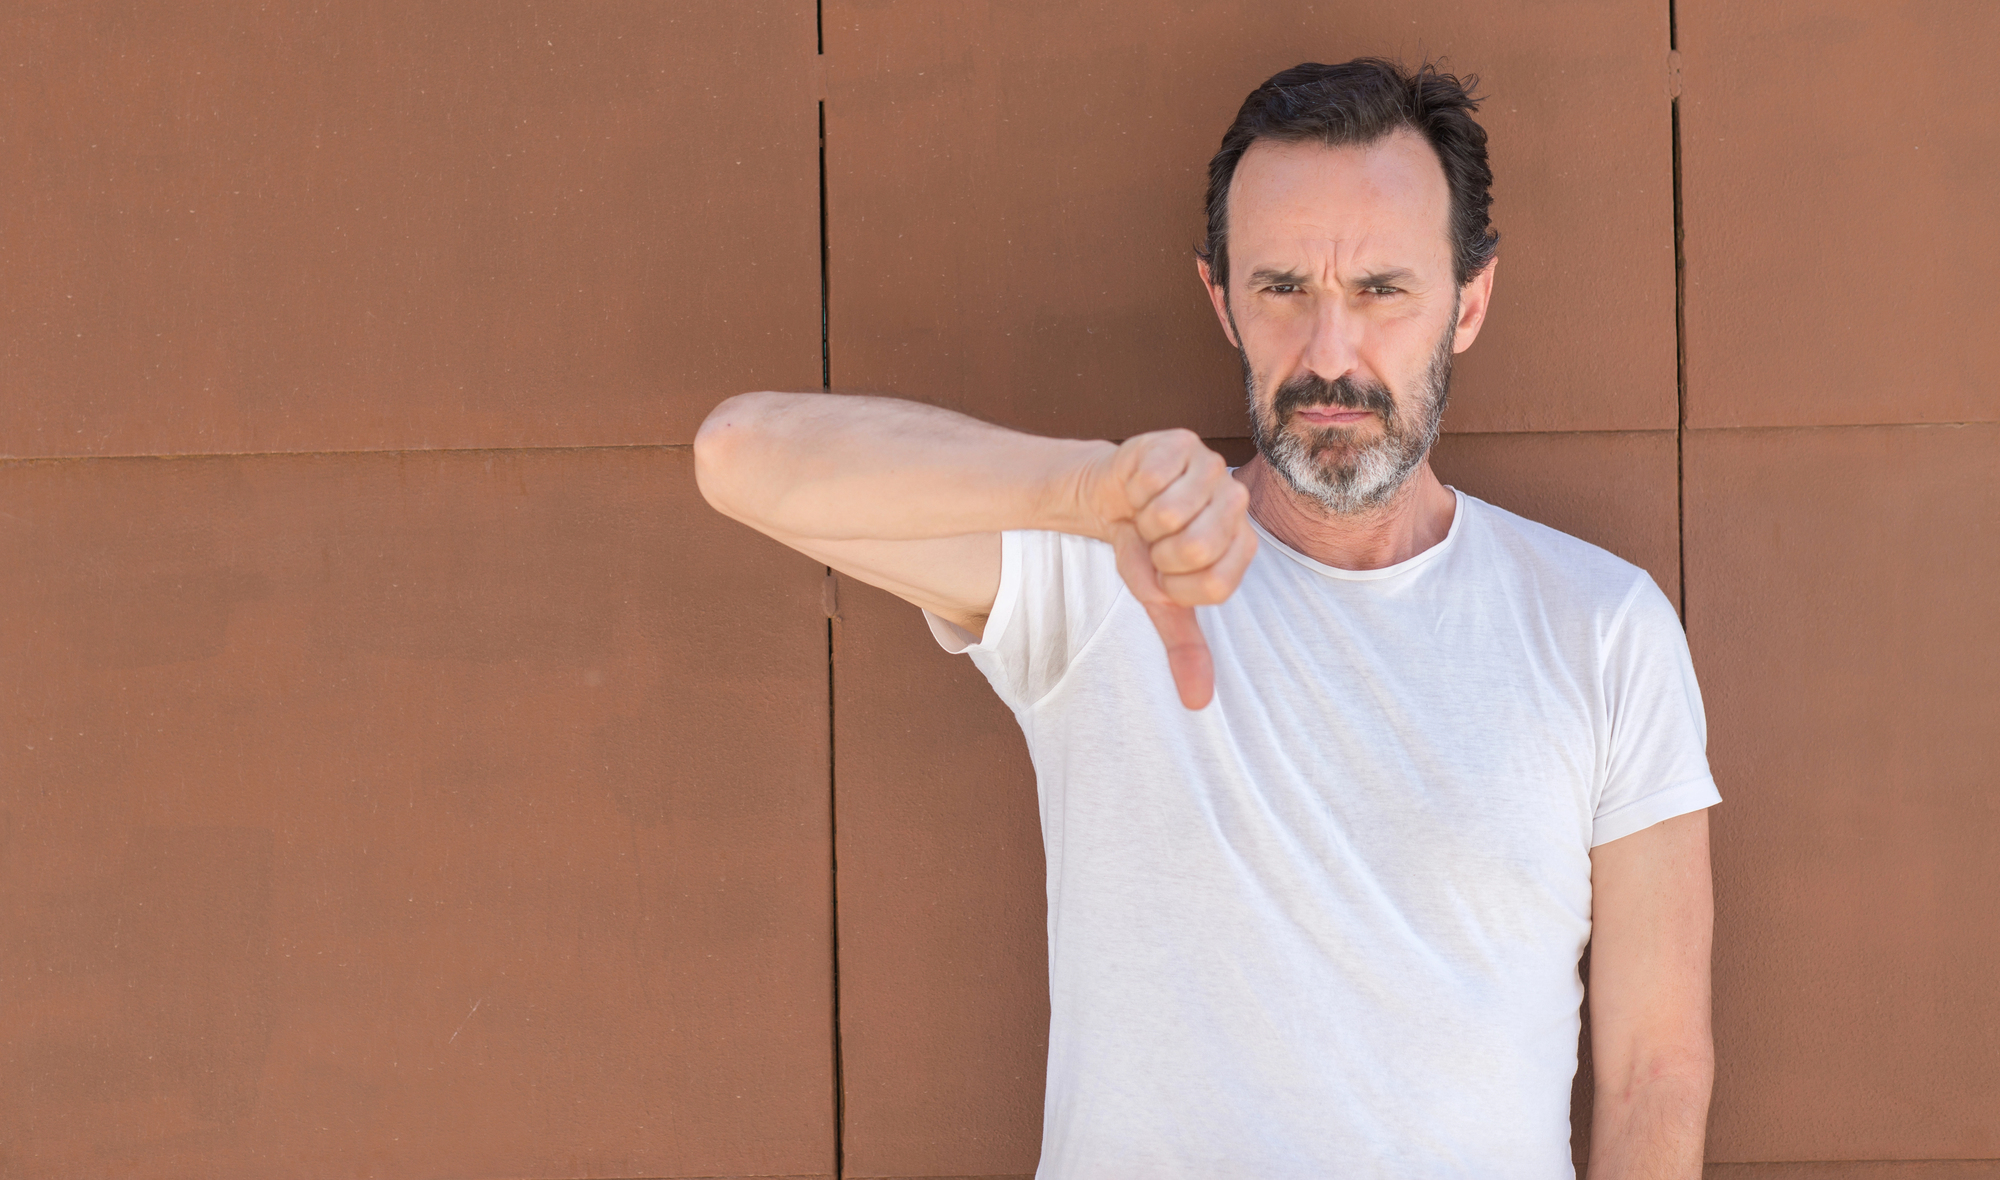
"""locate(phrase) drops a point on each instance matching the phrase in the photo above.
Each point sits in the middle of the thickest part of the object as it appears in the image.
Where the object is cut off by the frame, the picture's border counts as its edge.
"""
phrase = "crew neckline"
(1461, 502)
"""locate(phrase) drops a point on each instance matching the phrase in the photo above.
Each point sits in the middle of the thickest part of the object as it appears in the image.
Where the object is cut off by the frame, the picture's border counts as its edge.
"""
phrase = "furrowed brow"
(1266, 278)
(1395, 276)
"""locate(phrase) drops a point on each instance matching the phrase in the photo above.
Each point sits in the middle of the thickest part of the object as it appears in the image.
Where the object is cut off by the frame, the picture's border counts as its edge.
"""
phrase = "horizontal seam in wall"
(365, 451)
(1726, 429)
(84, 458)
(1835, 1163)
(1846, 426)
(1506, 433)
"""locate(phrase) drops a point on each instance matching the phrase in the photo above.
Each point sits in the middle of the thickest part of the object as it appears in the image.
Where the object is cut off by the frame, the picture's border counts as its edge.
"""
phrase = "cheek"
(1405, 346)
(1273, 340)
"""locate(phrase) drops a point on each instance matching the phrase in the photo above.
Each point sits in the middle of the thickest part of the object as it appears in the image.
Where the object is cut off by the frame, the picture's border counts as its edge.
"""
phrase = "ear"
(1218, 298)
(1473, 300)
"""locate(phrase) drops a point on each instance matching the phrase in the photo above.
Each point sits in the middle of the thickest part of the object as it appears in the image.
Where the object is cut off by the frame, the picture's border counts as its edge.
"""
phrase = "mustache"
(1309, 389)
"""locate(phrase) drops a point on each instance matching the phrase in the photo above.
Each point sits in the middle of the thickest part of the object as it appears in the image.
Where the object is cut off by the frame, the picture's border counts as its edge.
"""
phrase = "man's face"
(1344, 308)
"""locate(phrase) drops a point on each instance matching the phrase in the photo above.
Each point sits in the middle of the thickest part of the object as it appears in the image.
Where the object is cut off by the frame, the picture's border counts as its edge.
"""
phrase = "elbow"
(719, 447)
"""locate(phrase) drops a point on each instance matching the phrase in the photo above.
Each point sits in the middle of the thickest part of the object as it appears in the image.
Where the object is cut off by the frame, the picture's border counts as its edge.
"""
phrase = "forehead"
(1383, 202)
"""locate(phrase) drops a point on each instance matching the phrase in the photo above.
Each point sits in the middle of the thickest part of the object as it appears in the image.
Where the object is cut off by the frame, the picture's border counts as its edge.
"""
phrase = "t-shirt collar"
(1459, 512)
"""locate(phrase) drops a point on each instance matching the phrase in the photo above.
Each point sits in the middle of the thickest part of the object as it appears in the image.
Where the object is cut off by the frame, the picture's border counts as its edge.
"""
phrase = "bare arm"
(1652, 916)
(912, 498)
(862, 483)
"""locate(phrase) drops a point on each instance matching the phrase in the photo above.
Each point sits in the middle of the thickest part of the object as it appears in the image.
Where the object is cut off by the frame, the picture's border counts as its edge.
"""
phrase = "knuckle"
(1189, 556)
(1159, 521)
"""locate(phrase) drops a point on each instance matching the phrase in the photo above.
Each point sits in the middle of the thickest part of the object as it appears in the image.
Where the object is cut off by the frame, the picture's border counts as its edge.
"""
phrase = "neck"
(1416, 518)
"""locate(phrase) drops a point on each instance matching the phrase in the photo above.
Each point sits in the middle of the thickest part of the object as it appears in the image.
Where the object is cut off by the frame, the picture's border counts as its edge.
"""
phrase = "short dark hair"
(1359, 102)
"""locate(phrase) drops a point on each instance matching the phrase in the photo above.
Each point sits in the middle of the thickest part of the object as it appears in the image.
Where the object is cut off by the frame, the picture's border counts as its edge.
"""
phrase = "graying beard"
(1376, 473)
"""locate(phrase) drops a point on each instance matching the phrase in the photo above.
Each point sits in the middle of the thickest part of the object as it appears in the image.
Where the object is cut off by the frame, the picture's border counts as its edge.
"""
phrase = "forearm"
(1653, 1130)
(839, 467)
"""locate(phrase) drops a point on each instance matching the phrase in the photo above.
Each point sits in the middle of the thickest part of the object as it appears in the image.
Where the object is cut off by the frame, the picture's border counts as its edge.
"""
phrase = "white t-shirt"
(1329, 924)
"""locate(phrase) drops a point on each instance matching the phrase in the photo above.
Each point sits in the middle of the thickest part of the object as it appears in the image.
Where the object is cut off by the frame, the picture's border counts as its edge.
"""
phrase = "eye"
(1283, 288)
(1382, 291)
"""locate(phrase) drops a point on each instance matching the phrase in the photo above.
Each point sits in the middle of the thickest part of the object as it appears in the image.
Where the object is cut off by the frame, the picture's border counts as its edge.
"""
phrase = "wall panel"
(250, 227)
(1012, 197)
(1838, 194)
(1840, 608)
(396, 815)
(1013, 193)
(944, 1007)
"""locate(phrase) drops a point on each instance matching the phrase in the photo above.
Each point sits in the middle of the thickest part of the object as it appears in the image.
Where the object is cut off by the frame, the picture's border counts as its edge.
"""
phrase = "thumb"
(1187, 652)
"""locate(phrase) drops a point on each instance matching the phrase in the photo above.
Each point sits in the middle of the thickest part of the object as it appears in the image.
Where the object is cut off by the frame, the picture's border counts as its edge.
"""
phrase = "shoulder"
(1560, 568)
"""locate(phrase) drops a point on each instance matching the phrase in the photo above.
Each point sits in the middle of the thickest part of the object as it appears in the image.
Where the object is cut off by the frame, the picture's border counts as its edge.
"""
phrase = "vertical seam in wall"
(833, 618)
(833, 899)
(1680, 313)
(825, 342)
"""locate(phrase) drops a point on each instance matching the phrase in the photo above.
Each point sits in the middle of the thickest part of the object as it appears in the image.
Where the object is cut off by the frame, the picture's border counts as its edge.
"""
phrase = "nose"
(1334, 348)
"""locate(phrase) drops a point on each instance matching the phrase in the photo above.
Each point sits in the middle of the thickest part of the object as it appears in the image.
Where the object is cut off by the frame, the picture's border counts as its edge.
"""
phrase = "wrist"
(1071, 490)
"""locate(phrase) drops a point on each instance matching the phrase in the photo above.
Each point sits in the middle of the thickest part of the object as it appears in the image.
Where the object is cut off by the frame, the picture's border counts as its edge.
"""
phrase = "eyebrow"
(1259, 278)
(1394, 276)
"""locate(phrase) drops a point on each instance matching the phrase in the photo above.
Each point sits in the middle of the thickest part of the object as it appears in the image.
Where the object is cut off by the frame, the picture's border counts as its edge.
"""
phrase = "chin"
(1345, 474)
(1336, 447)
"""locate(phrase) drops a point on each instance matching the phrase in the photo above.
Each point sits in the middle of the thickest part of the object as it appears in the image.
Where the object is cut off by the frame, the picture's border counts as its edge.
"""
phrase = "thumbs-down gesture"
(1181, 529)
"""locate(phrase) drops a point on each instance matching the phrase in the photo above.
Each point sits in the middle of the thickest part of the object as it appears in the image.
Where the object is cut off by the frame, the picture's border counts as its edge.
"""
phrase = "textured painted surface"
(1840, 608)
(1013, 194)
(943, 962)
(405, 815)
(466, 814)
(251, 227)
(1839, 180)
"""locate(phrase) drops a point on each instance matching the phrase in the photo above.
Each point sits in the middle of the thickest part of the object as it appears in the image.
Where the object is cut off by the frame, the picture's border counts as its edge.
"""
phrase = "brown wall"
(403, 774)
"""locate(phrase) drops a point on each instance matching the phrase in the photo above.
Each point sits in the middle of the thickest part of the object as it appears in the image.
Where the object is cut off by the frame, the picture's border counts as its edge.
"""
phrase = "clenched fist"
(1181, 528)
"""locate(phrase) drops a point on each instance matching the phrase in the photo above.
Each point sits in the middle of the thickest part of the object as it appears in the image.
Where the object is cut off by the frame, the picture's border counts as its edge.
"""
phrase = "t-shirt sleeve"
(1657, 766)
(1055, 592)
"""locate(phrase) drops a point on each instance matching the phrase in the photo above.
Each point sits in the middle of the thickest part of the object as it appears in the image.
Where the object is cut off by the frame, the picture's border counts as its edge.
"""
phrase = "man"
(1321, 915)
